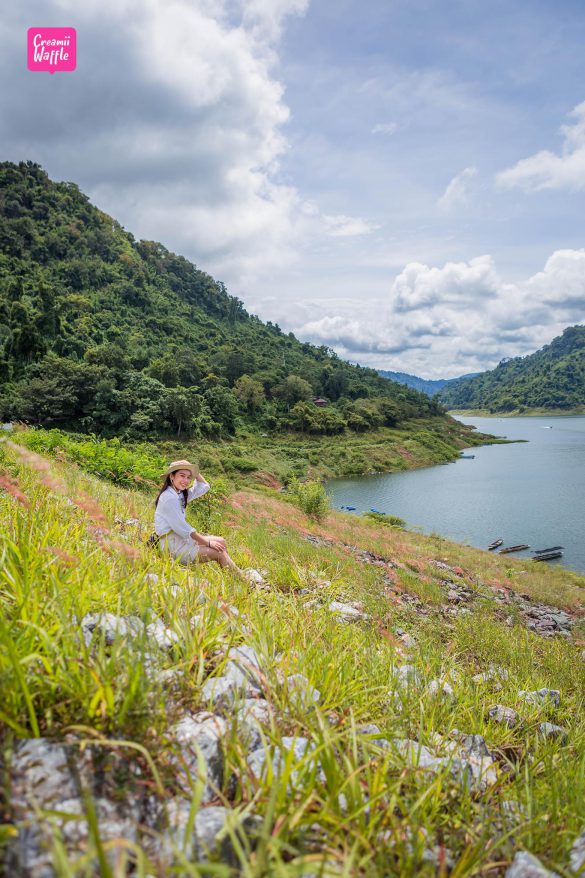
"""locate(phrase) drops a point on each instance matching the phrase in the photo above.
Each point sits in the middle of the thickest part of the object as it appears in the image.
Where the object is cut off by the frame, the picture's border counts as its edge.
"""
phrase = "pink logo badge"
(51, 48)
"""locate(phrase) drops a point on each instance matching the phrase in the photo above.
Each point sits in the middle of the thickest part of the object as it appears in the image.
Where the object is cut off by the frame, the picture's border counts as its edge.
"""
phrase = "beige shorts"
(185, 550)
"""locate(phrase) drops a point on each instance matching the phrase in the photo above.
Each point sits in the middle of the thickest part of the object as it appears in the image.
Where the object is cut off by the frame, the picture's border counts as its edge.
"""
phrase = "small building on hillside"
(318, 400)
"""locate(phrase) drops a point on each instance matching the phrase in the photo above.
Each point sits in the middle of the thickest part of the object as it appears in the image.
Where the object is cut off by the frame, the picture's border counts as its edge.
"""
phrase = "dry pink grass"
(555, 586)
(11, 486)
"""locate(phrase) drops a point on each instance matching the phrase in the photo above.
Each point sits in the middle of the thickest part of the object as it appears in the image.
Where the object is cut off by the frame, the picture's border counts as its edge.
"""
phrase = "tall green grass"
(351, 806)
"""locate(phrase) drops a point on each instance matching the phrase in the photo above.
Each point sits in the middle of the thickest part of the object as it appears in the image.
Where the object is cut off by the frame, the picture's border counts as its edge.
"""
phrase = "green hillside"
(552, 378)
(381, 704)
(105, 334)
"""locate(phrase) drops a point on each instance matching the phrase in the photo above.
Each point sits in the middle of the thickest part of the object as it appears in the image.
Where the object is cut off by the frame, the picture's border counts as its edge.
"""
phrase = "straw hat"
(182, 464)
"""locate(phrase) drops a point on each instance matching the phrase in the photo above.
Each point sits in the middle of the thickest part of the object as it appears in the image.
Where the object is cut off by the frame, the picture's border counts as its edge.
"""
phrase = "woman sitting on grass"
(176, 536)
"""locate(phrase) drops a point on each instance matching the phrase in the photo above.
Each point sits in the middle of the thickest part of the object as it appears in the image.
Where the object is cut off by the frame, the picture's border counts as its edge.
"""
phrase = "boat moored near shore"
(518, 548)
(495, 544)
(548, 556)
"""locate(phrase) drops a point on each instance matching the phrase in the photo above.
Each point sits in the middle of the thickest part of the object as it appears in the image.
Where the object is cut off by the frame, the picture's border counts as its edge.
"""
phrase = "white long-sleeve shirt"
(170, 515)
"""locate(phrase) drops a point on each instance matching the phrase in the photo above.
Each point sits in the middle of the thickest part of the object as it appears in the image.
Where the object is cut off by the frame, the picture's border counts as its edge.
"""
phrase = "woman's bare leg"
(222, 558)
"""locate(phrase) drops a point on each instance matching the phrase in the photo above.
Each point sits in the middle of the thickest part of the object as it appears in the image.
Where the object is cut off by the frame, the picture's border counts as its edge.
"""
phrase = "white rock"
(549, 730)
(438, 687)
(494, 673)
(40, 773)
(374, 735)
(513, 812)
(251, 718)
(212, 835)
(484, 772)
(505, 715)
(112, 825)
(472, 772)
(414, 754)
(41, 780)
(441, 743)
(347, 612)
(369, 729)
(301, 695)
(243, 665)
(301, 749)
(407, 676)
(540, 697)
(202, 734)
(473, 745)
(158, 632)
(525, 865)
(577, 855)
(221, 692)
(110, 627)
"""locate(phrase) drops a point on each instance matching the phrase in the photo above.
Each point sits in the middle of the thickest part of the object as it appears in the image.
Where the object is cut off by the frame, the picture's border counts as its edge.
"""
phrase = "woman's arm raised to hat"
(200, 488)
(172, 516)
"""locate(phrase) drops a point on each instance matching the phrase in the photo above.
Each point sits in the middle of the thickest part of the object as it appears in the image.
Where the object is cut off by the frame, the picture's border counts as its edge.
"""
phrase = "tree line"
(110, 335)
(553, 377)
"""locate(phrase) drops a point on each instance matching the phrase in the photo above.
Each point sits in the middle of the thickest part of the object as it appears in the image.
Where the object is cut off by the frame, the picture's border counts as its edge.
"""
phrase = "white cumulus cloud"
(457, 194)
(457, 284)
(266, 17)
(442, 321)
(341, 226)
(549, 170)
(388, 128)
(174, 122)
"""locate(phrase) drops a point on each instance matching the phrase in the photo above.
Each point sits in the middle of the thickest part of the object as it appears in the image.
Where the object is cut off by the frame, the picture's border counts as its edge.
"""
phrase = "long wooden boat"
(514, 549)
(548, 556)
(495, 544)
(550, 549)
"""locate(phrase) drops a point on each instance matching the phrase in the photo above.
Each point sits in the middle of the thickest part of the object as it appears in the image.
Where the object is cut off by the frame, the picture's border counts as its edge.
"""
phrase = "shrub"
(311, 497)
(385, 520)
(240, 464)
(111, 459)
(206, 514)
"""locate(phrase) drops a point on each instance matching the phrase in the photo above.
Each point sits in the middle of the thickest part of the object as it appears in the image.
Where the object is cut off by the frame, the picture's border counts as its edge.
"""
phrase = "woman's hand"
(209, 541)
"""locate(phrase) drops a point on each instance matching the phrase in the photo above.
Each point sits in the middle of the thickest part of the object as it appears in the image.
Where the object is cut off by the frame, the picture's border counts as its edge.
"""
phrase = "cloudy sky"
(401, 180)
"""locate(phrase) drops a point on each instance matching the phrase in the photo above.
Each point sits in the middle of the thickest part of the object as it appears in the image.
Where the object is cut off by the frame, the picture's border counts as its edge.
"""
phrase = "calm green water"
(531, 492)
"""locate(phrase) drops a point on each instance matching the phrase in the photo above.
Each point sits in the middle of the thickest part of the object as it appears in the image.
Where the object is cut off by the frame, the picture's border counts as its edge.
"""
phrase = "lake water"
(531, 492)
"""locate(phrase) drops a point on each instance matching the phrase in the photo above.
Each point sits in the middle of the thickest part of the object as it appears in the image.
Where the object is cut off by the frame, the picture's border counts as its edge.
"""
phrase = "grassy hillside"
(339, 743)
(102, 333)
(550, 380)
(262, 459)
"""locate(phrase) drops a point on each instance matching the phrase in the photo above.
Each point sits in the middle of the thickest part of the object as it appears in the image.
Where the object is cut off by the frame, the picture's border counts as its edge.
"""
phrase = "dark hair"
(168, 484)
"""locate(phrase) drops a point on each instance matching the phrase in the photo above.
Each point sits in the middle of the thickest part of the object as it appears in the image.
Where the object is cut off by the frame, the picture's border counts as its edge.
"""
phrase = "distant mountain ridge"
(551, 378)
(424, 385)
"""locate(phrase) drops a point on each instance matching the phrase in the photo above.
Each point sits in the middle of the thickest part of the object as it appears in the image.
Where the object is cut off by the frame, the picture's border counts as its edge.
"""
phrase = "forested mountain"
(107, 334)
(428, 386)
(551, 378)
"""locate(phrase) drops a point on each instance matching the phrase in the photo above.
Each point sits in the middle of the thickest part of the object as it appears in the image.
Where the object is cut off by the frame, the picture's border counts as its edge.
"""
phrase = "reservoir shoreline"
(530, 491)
